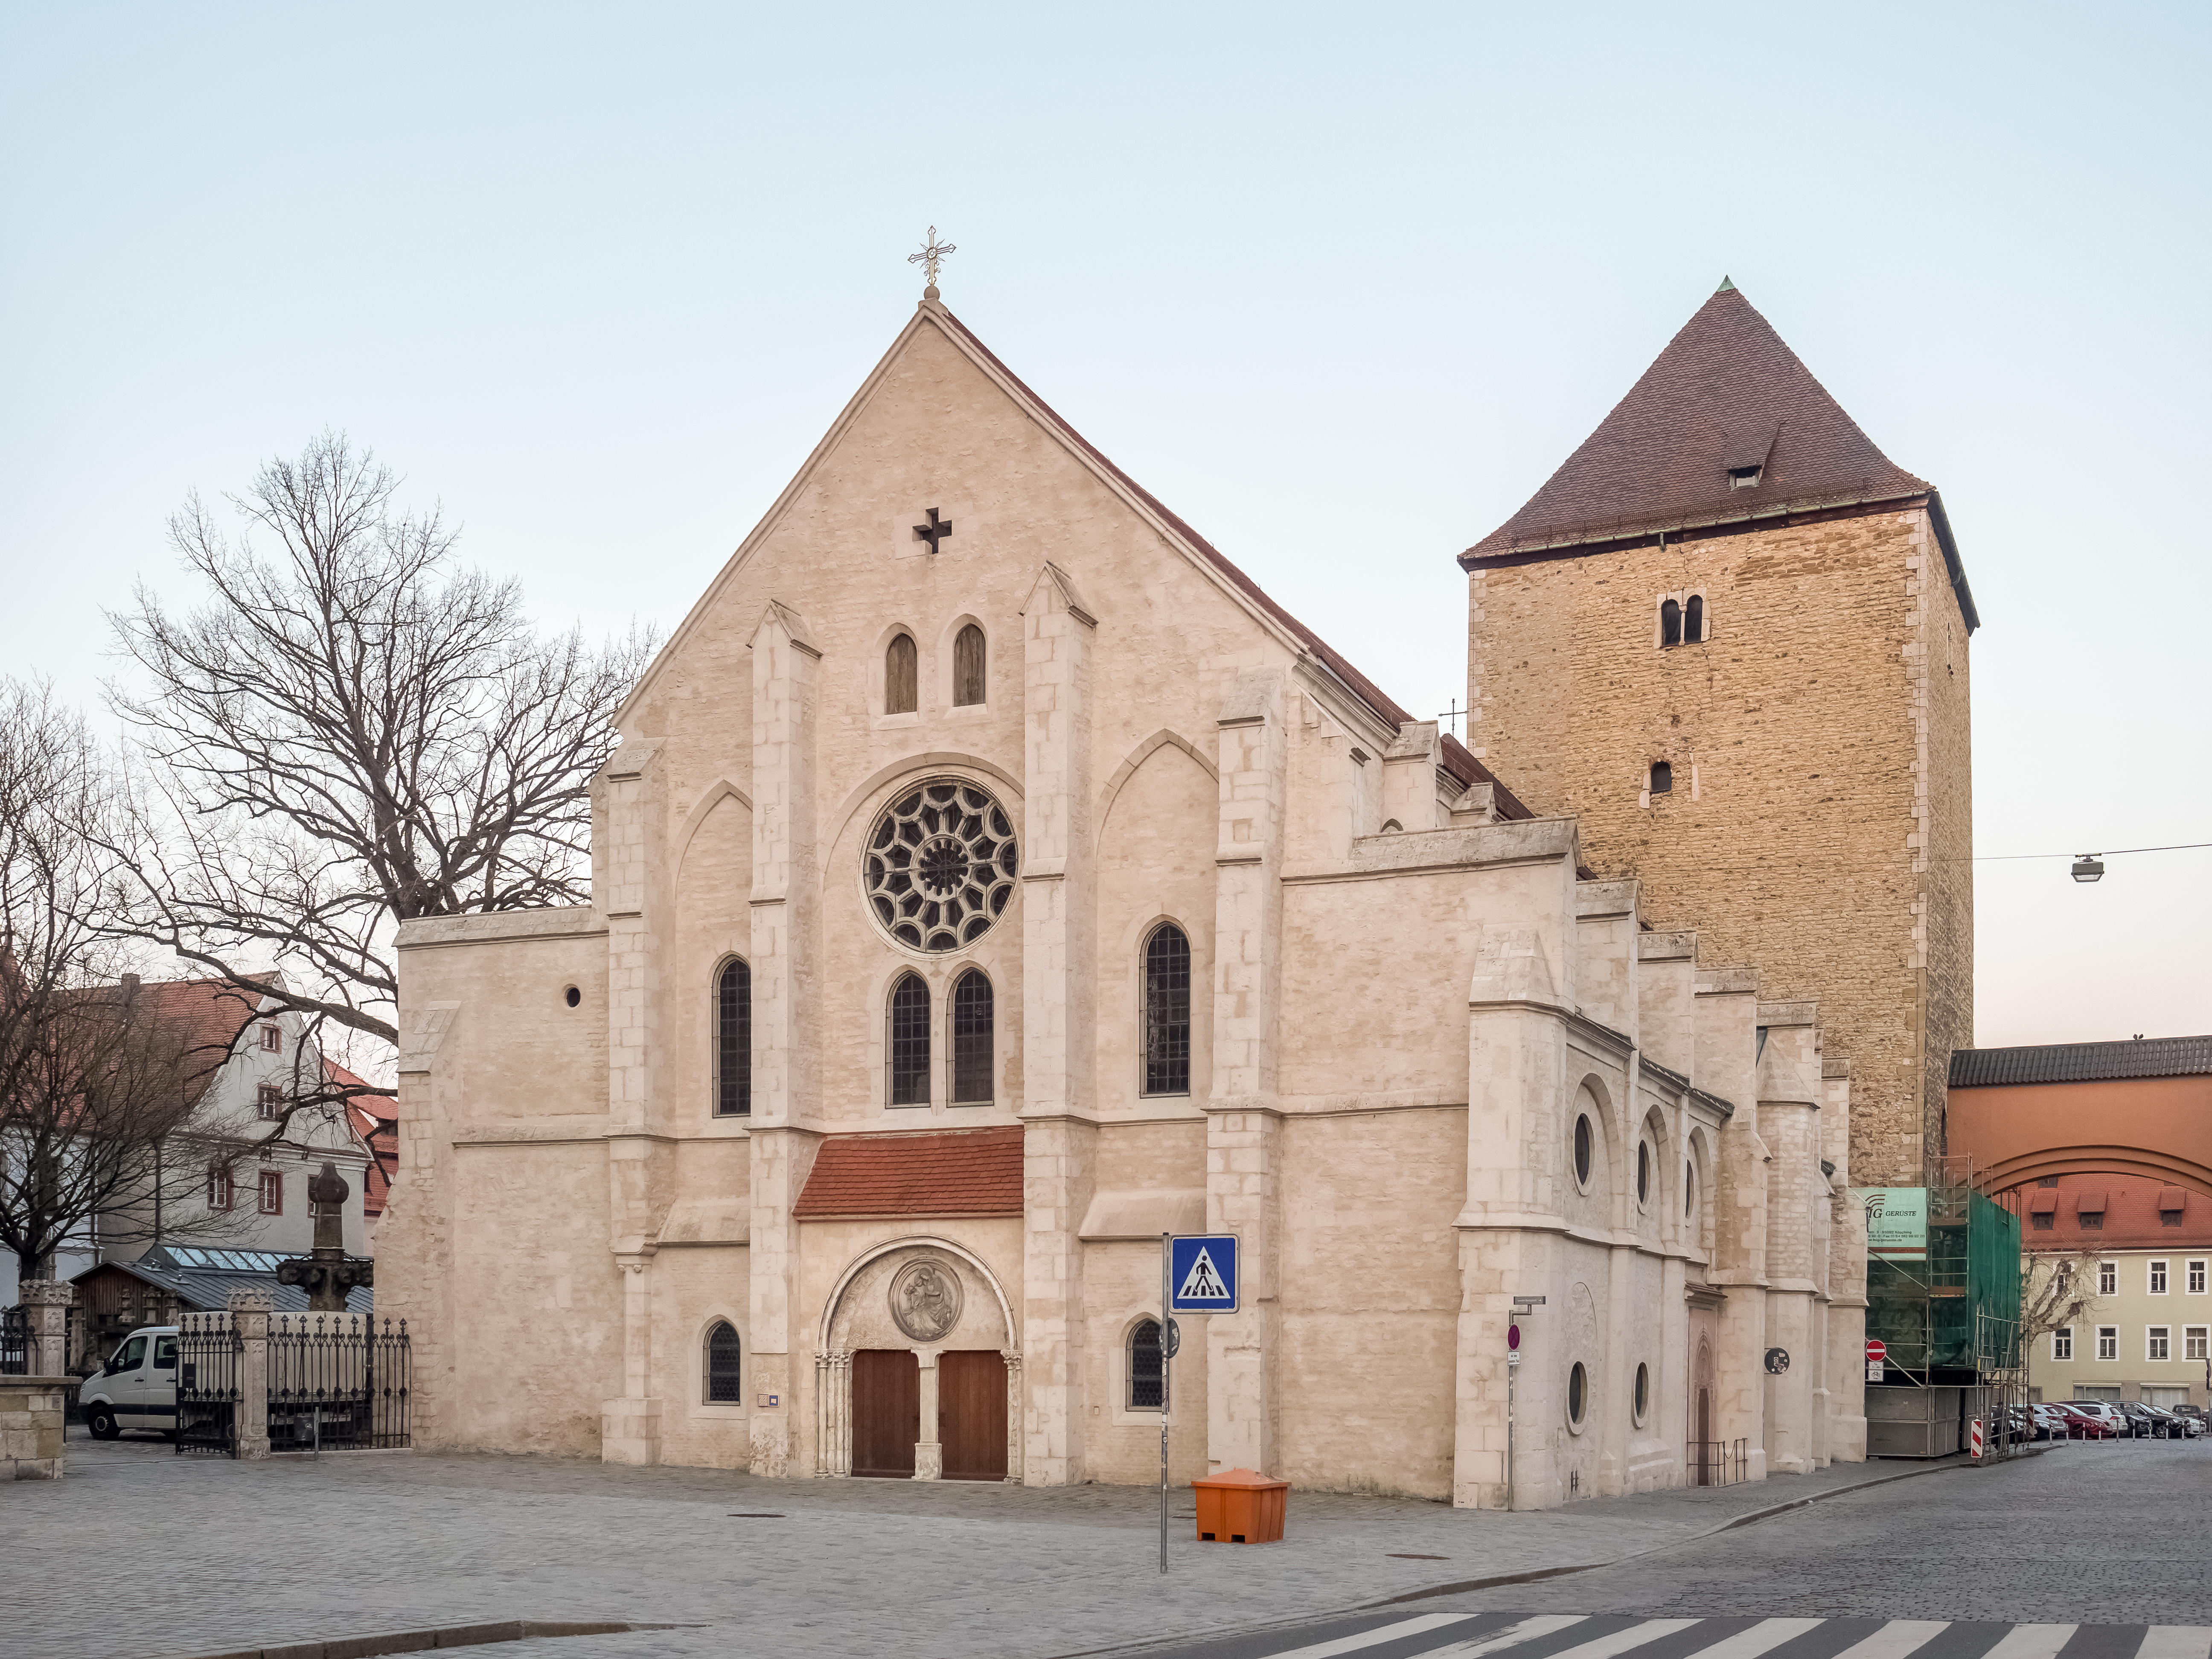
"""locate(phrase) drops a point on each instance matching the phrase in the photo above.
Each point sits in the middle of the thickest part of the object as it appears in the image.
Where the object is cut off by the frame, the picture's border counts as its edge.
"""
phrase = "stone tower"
(1730, 636)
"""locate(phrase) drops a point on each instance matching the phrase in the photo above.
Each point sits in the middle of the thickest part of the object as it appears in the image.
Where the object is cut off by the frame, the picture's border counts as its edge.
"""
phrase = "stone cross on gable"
(933, 253)
(934, 532)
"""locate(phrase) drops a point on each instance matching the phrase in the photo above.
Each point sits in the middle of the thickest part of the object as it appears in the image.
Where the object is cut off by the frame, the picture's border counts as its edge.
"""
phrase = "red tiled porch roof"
(943, 1172)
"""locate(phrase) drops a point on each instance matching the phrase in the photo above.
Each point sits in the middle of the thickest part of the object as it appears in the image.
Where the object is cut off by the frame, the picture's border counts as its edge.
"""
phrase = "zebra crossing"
(1570, 1635)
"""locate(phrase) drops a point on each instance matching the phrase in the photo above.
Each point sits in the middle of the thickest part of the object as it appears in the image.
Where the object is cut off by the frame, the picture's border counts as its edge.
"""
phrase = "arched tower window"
(902, 678)
(1693, 620)
(733, 1040)
(1662, 778)
(968, 666)
(1167, 1011)
(1670, 622)
(907, 1045)
(723, 1382)
(1147, 1383)
(971, 1039)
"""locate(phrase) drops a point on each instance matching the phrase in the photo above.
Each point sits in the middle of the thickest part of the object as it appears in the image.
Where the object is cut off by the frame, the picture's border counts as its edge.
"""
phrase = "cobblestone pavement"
(141, 1553)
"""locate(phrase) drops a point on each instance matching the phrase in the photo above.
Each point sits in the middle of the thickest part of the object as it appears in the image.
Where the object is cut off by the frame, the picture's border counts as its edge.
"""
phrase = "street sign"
(1877, 1351)
(1203, 1274)
(1873, 1370)
(1513, 1336)
(1170, 1340)
(1777, 1361)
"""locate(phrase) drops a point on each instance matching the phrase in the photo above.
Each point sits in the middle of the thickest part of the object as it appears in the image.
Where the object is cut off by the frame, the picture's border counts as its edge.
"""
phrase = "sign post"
(1522, 1307)
(1876, 1352)
(1198, 1275)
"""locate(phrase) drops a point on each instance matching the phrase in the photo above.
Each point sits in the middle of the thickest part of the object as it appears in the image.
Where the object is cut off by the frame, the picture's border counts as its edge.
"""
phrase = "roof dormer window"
(1743, 477)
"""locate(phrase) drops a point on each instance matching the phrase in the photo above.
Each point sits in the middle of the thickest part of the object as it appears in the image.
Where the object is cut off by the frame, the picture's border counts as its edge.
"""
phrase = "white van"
(137, 1387)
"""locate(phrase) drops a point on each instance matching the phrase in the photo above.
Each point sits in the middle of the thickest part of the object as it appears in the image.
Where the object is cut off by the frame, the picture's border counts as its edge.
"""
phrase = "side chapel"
(992, 877)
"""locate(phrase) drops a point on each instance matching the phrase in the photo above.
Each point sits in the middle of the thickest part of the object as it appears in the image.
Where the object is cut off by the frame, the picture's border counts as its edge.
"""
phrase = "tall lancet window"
(733, 1040)
(907, 1045)
(971, 1039)
(902, 677)
(1670, 622)
(1693, 620)
(968, 666)
(1167, 1011)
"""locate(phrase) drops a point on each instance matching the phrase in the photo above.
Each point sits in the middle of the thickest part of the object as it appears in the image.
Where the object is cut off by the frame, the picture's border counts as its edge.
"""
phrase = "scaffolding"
(1951, 1321)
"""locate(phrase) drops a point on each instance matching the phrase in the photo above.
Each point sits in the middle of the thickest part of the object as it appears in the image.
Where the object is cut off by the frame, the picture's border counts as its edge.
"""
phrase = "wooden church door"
(971, 1414)
(886, 1412)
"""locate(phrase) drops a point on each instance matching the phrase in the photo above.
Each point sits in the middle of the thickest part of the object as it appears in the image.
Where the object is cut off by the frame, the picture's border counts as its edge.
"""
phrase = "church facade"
(992, 878)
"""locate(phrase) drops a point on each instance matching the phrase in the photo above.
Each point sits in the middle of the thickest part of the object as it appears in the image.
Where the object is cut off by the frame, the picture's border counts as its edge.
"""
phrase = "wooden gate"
(971, 1414)
(886, 1413)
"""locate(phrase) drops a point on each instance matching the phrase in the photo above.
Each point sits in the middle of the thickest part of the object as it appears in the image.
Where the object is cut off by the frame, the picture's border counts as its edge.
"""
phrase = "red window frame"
(269, 1100)
(273, 1192)
(272, 1039)
(220, 1190)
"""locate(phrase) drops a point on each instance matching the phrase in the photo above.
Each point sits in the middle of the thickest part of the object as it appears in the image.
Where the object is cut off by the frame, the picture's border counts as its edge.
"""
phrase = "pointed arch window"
(733, 1040)
(907, 1045)
(968, 666)
(1147, 1376)
(972, 1036)
(1167, 1011)
(901, 676)
(724, 1381)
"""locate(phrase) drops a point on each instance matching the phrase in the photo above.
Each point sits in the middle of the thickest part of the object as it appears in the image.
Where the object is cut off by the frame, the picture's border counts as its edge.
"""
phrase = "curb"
(446, 1636)
(1957, 1460)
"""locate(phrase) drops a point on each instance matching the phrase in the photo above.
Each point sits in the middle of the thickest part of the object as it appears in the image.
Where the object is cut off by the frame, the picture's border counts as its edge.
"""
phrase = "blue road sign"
(1203, 1274)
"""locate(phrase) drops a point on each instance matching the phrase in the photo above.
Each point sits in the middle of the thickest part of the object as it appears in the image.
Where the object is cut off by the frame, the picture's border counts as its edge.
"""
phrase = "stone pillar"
(1517, 1145)
(249, 1319)
(929, 1450)
(1790, 1125)
(630, 1425)
(1014, 1415)
(786, 955)
(628, 836)
(833, 1396)
(1059, 1004)
(1243, 1122)
(1726, 1016)
(1846, 1274)
(47, 1304)
(1409, 778)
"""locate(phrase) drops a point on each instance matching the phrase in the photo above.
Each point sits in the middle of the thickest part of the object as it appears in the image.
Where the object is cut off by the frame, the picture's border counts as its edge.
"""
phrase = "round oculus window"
(1642, 1172)
(1577, 1393)
(1643, 1401)
(1583, 1149)
(939, 865)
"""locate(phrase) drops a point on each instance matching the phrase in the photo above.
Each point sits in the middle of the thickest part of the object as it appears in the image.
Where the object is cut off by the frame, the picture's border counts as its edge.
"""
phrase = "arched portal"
(917, 1371)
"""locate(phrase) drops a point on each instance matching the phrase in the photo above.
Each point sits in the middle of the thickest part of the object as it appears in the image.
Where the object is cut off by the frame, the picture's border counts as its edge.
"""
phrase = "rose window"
(940, 866)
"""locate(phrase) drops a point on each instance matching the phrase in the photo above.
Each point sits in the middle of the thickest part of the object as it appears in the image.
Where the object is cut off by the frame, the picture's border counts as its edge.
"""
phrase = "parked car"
(2191, 1419)
(2082, 1425)
(137, 1387)
(2107, 1415)
(2154, 1422)
(2052, 1421)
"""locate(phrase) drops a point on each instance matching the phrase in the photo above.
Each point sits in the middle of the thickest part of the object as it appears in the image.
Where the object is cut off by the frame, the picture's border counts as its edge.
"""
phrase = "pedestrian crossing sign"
(1203, 1274)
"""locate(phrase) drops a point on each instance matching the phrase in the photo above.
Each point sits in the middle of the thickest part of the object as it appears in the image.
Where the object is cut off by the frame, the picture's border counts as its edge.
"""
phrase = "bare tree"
(2061, 1291)
(351, 731)
(94, 1085)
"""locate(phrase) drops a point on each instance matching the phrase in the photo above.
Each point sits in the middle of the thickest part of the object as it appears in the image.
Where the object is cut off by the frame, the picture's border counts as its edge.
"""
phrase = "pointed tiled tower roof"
(1727, 429)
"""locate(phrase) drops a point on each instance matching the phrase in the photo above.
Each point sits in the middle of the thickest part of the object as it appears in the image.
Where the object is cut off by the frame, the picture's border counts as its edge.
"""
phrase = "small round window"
(572, 996)
(1643, 1392)
(1642, 1172)
(939, 865)
(1583, 1149)
(1577, 1393)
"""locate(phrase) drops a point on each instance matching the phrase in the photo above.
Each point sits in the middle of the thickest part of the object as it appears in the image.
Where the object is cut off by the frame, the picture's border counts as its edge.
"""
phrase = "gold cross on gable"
(932, 251)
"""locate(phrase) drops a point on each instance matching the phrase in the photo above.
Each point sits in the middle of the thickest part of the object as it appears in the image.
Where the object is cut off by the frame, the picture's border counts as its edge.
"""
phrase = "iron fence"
(1715, 1463)
(14, 1341)
(337, 1382)
(209, 1355)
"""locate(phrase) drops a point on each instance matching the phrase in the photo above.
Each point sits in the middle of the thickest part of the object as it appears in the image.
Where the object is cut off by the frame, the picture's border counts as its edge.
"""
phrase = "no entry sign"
(1877, 1351)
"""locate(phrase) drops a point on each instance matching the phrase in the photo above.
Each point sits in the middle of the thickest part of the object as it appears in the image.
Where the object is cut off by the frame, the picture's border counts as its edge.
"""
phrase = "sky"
(1341, 285)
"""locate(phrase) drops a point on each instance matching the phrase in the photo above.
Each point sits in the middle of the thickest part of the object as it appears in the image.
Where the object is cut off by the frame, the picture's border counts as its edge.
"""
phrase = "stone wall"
(1819, 743)
(31, 1410)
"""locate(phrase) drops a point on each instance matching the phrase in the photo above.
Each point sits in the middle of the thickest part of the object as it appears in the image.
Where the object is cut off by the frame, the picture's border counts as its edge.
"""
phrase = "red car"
(2080, 1425)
